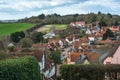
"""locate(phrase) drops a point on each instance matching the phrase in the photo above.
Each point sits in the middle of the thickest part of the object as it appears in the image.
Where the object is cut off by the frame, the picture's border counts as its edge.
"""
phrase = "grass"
(46, 28)
(60, 26)
(8, 28)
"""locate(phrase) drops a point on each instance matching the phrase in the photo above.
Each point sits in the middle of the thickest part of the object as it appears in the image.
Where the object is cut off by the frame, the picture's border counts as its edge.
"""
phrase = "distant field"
(46, 28)
(8, 28)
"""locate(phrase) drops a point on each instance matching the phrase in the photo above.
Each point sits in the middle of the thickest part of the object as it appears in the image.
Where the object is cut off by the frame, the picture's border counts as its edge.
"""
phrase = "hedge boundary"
(23, 68)
(90, 72)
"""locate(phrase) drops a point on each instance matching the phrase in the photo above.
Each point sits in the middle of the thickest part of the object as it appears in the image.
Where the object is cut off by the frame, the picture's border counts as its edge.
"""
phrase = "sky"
(18, 9)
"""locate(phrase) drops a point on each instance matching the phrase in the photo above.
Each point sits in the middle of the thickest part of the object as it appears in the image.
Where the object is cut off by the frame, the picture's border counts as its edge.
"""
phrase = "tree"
(104, 36)
(41, 16)
(116, 23)
(109, 15)
(55, 56)
(102, 23)
(99, 13)
(76, 15)
(107, 34)
(17, 36)
(90, 18)
(37, 37)
(26, 42)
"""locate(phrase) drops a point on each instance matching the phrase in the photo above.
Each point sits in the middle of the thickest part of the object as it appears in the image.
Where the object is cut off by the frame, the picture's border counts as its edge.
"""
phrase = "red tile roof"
(81, 23)
(84, 40)
(48, 64)
(74, 56)
(92, 56)
(76, 44)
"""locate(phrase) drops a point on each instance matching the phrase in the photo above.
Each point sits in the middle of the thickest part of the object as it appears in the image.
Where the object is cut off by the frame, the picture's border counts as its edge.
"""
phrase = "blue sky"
(17, 9)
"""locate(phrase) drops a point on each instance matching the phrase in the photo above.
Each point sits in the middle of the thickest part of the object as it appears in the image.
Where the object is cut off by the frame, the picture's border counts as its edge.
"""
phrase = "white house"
(61, 43)
(88, 31)
(49, 69)
(49, 35)
(91, 39)
(47, 66)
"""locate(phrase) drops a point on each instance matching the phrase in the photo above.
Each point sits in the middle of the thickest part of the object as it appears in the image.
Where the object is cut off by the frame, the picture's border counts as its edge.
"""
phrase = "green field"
(8, 28)
(46, 28)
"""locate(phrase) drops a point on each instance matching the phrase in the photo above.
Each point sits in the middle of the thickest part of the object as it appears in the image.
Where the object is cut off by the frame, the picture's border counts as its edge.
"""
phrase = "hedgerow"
(90, 72)
(24, 68)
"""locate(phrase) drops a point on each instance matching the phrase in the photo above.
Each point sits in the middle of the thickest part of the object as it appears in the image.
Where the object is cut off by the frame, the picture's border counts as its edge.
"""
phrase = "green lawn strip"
(60, 26)
(46, 28)
(8, 28)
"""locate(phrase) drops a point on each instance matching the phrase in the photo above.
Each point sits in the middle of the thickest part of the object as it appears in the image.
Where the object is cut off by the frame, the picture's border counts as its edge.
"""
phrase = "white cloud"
(58, 2)
(22, 5)
(27, 8)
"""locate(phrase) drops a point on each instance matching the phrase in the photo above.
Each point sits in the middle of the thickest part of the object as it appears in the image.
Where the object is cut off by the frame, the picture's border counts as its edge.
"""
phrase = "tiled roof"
(39, 45)
(113, 50)
(84, 40)
(76, 44)
(48, 64)
(82, 23)
(105, 41)
(92, 56)
(38, 54)
(74, 56)
(115, 47)
(114, 28)
(53, 40)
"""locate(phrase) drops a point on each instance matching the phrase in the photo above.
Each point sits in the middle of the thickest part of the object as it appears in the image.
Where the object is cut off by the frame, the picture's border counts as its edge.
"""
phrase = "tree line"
(103, 19)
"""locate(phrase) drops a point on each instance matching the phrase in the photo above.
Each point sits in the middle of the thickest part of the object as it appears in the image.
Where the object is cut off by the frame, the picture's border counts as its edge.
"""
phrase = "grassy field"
(46, 28)
(8, 28)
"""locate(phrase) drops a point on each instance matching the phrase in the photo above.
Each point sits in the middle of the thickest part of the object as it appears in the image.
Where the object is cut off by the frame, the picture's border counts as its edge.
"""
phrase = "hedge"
(24, 68)
(90, 72)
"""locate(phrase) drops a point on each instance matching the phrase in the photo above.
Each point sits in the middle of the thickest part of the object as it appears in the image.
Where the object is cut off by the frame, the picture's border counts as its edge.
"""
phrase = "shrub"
(26, 42)
(11, 48)
(17, 36)
(36, 37)
(2, 56)
(24, 68)
(90, 72)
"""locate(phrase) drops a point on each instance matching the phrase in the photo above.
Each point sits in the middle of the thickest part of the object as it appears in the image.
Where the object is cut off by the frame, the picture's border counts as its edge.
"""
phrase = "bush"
(24, 68)
(2, 56)
(26, 42)
(11, 48)
(90, 72)
(36, 37)
(17, 36)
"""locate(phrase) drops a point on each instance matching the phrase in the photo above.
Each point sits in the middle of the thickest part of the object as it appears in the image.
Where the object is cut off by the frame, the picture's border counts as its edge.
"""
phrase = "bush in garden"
(24, 68)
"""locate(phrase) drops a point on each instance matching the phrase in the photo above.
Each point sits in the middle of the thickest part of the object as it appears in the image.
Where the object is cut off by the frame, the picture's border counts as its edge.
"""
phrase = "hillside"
(8, 28)
(104, 19)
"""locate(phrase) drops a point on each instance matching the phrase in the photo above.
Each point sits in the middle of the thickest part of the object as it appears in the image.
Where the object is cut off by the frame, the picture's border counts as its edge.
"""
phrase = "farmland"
(8, 28)
(46, 28)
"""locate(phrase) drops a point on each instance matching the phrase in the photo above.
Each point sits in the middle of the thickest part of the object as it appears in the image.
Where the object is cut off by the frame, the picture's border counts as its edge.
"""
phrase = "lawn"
(8, 28)
(46, 28)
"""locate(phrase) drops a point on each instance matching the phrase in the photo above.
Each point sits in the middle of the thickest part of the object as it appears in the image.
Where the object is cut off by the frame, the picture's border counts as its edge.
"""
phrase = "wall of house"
(50, 72)
(42, 63)
(115, 59)
(108, 60)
